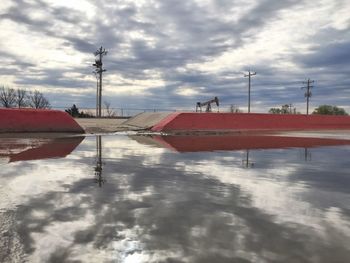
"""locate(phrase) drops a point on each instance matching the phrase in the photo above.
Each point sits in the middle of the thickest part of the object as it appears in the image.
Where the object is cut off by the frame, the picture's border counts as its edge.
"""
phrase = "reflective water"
(171, 199)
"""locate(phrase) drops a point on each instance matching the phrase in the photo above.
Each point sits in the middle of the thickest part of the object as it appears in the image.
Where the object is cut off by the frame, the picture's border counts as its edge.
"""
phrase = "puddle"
(129, 198)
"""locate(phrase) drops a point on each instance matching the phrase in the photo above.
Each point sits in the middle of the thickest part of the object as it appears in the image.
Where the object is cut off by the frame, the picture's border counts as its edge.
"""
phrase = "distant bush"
(285, 109)
(74, 112)
(329, 110)
(234, 109)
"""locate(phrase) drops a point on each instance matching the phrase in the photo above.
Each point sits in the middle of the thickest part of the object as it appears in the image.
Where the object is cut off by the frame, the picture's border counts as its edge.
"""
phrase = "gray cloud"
(80, 44)
(12, 64)
(50, 77)
(331, 55)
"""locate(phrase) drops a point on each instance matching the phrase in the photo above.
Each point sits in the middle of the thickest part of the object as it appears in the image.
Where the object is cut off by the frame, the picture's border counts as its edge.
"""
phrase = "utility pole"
(99, 70)
(97, 90)
(249, 76)
(308, 93)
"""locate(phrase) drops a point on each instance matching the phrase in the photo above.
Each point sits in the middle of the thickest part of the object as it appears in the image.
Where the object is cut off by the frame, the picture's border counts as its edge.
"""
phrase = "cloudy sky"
(171, 54)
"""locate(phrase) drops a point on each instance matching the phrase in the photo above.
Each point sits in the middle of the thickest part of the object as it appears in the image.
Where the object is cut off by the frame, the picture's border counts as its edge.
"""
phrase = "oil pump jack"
(208, 103)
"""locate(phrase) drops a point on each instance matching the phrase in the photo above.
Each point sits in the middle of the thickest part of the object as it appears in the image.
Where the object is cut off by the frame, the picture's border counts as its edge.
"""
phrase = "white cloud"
(188, 91)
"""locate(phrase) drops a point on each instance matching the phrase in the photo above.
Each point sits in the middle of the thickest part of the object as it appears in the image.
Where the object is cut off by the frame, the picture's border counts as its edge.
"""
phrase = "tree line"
(20, 98)
(322, 109)
(74, 112)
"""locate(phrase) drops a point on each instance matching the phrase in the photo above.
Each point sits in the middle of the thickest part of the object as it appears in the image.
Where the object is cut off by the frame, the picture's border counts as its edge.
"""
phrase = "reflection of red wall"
(20, 149)
(241, 142)
(251, 121)
(33, 120)
(56, 148)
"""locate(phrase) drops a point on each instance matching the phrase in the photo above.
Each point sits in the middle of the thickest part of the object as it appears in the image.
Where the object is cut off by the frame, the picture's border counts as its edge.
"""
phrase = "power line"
(249, 77)
(308, 93)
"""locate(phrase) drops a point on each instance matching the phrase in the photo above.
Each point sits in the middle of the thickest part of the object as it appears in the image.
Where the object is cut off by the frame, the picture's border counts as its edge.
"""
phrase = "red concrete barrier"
(180, 122)
(34, 120)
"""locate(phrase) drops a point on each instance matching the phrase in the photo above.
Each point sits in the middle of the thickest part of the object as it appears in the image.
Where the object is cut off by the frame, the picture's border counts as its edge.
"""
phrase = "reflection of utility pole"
(307, 155)
(246, 162)
(98, 168)
(308, 93)
(99, 70)
(249, 76)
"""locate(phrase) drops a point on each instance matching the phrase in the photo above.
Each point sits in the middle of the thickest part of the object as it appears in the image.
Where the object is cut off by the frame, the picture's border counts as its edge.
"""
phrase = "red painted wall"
(251, 121)
(33, 120)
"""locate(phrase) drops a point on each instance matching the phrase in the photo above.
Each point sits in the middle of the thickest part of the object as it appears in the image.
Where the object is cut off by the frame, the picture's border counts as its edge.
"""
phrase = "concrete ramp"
(145, 120)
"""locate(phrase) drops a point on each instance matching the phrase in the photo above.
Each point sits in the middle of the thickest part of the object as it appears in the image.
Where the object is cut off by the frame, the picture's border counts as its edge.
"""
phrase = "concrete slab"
(101, 125)
(145, 120)
(142, 121)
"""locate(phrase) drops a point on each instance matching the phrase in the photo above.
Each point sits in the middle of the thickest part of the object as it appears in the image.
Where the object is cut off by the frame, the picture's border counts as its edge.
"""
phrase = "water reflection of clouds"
(268, 189)
(158, 206)
(283, 185)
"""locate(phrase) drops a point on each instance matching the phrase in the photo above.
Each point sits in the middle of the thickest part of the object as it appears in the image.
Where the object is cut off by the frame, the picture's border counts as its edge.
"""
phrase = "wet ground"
(131, 198)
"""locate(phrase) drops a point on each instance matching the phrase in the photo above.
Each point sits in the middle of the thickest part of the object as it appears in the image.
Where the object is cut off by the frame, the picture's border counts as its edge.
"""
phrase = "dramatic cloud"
(167, 54)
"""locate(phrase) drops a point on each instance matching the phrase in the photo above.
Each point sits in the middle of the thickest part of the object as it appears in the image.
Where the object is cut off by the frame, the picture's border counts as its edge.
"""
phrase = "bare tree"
(21, 98)
(7, 97)
(38, 101)
(110, 112)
